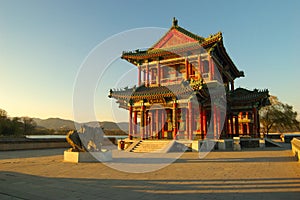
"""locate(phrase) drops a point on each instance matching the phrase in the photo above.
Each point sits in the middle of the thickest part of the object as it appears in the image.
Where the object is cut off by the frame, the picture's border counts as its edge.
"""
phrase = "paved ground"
(42, 174)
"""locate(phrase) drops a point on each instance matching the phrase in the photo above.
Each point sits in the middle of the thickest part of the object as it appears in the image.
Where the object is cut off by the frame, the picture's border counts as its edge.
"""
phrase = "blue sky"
(44, 43)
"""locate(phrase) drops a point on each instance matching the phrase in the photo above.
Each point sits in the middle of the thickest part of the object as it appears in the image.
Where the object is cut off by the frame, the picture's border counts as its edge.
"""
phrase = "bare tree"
(278, 116)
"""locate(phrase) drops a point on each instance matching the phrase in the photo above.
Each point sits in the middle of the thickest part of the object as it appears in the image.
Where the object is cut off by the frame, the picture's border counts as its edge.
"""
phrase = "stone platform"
(272, 173)
(77, 157)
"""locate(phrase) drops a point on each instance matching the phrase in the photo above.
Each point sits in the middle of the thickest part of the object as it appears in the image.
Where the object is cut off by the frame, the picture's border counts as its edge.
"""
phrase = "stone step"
(150, 146)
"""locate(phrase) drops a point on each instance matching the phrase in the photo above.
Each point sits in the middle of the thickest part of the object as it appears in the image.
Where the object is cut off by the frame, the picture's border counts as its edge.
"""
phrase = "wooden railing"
(296, 148)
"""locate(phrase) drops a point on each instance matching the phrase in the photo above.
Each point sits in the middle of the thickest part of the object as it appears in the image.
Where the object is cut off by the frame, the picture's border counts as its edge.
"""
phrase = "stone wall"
(32, 144)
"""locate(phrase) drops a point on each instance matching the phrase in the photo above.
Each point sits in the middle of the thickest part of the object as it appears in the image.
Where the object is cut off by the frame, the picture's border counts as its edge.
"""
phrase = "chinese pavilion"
(177, 96)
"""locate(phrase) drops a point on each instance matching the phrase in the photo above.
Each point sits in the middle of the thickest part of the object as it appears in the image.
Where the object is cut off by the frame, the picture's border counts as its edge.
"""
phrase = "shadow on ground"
(21, 186)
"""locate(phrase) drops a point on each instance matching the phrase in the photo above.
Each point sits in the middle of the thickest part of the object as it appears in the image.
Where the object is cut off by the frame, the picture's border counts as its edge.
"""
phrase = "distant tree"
(28, 124)
(3, 121)
(278, 116)
(16, 125)
(3, 114)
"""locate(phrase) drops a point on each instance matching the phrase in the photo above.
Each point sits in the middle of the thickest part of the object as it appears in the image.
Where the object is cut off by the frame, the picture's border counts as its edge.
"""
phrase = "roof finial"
(175, 22)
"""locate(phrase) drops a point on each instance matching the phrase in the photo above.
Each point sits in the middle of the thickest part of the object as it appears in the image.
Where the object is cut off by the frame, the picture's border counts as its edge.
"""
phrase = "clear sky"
(44, 43)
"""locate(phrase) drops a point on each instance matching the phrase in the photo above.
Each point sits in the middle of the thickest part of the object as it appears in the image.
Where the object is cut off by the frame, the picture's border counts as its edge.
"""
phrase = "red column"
(227, 126)
(159, 74)
(151, 129)
(135, 123)
(202, 122)
(191, 119)
(211, 68)
(162, 124)
(147, 124)
(231, 124)
(247, 124)
(236, 121)
(187, 76)
(241, 124)
(175, 129)
(218, 122)
(215, 121)
(187, 123)
(254, 111)
(191, 69)
(258, 124)
(144, 76)
(157, 123)
(130, 123)
(152, 77)
(139, 75)
(232, 85)
(147, 74)
(199, 66)
(142, 123)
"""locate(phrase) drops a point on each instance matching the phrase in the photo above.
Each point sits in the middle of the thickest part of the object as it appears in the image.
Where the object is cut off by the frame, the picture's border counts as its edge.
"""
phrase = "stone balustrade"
(296, 148)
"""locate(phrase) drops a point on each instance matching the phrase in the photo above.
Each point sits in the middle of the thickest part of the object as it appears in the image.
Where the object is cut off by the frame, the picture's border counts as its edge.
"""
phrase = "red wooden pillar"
(191, 69)
(158, 73)
(232, 85)
(258, 123)
(218, 122)
(135, 123)
(144, 76)
(152, 124)
(191, 119)
(187, 123)
(130, 123)
(201, 122)
(175, 129)
(204, 123)
(227, 125)
(147, 122)
(247, 125)
(231, 125)
(241, 124)
(215, 121)
(199, 66)
(254, 111)
(163, 124)
(236, 121)
(139, 75)
(157, 123)
(147, 74)
(211, 68)
(187, 76)
(200, 119)
(142, 123)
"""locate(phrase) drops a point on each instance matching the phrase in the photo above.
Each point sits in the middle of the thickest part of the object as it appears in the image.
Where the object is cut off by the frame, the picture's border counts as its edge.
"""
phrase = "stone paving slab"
(266, 174)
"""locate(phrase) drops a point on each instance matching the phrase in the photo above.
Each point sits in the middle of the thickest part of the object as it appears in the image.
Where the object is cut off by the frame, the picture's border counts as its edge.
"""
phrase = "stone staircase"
(146, 146)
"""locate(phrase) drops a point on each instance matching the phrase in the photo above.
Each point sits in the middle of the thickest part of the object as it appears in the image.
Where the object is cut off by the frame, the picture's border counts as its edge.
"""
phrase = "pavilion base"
(77, 157)
(235, 144)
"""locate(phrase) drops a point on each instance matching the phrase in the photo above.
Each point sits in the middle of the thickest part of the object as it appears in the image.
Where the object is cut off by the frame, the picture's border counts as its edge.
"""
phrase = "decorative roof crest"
(175, 22)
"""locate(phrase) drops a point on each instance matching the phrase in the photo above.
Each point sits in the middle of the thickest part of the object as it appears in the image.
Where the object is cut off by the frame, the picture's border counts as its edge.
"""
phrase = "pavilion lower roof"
(177, 90)
(241, 96)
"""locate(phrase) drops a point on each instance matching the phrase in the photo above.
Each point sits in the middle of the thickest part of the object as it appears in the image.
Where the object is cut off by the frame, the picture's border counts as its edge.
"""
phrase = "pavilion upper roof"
(179, 42)
(175, 41)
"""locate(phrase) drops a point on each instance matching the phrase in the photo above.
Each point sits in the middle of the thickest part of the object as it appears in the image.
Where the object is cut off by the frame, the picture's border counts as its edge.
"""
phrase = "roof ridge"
(189, 33)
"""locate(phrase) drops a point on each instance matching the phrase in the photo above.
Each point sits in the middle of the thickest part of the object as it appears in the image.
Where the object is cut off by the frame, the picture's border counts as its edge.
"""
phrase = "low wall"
(33, 144)
(235, 144)
(296, 148)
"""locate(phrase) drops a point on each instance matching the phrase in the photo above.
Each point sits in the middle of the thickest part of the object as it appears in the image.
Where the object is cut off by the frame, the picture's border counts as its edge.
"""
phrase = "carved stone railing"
(296, 148)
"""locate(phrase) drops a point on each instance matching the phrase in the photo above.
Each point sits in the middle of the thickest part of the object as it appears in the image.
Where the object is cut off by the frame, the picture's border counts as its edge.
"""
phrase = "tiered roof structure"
(180, 73)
